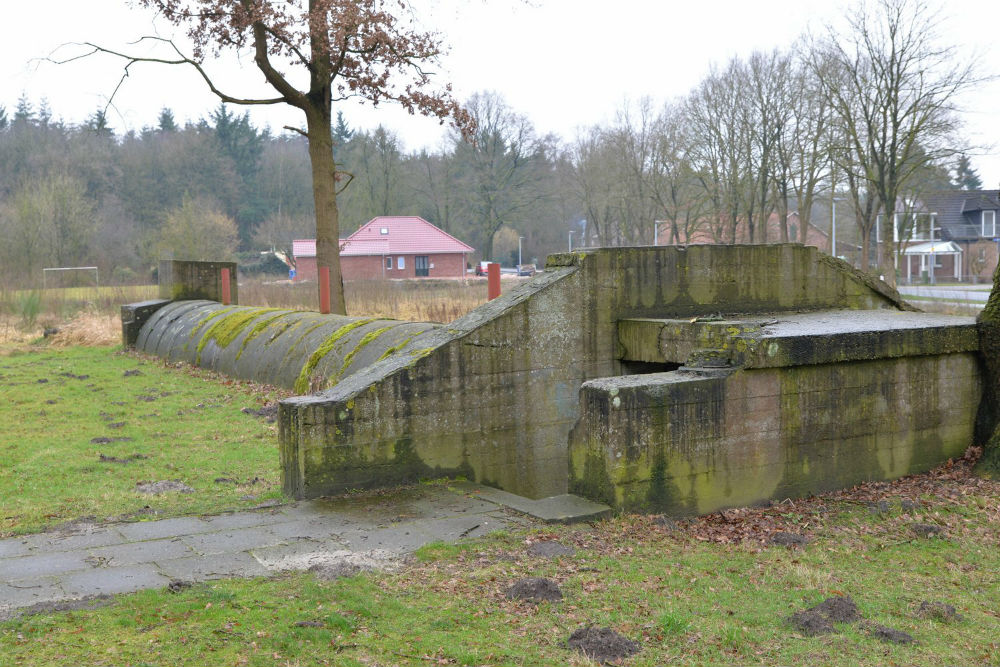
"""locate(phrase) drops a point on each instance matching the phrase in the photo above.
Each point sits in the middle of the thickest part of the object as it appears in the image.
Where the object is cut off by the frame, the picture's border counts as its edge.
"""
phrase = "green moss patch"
(302, 383)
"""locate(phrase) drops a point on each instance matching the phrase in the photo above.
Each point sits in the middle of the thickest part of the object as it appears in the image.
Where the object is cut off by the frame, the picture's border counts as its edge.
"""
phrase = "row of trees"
(867, 115)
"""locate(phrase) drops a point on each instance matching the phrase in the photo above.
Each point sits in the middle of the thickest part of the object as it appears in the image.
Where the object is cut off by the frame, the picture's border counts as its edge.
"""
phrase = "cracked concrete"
(88, 560)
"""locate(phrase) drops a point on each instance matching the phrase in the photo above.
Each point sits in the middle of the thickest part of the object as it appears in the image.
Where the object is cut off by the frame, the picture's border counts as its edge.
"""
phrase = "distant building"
(390, 247)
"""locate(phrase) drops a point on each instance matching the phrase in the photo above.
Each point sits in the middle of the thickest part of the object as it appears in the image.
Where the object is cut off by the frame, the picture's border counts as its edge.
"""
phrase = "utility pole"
(519, 239)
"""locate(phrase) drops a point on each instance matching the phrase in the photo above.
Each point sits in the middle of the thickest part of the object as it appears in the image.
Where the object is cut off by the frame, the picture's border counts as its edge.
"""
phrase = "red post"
(324, 290)
(492, 280)
(226, 299)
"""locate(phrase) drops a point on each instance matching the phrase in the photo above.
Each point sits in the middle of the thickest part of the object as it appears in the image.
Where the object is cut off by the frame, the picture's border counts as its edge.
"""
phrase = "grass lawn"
(84, 425)
(700, 591)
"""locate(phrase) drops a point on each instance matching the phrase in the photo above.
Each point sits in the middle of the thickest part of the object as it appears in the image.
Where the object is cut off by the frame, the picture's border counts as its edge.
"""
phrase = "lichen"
(256, 330)
(365, 340)
(224, 330)
(302, 382)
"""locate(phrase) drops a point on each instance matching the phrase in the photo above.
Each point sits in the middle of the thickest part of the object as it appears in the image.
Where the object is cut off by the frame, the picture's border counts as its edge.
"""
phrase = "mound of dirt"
(163, 486)
(890, 635)
(927, 530)
(785, 539)
(602, 645)
(269, 412)
(128, 459)
(819, 620)
(938, 611)
(838, 610)
(550, 549)
(535, 589)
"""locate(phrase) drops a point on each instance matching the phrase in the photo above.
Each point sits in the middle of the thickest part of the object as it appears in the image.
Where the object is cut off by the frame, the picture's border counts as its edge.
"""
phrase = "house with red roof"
(390, 247)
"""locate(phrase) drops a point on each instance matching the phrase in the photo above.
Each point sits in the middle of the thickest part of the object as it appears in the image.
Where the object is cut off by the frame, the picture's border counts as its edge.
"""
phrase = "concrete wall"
(303, 351)
(184, 279)
(494, 395)
(694, 442)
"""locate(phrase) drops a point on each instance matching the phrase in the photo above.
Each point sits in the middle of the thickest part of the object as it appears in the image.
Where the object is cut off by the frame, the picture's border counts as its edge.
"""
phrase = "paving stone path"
(84, 560)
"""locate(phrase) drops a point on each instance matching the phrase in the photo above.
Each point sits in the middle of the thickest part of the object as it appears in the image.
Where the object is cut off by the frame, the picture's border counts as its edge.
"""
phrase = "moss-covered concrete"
(187, 280)
(299, 350)
(690, 443)
(988, 419)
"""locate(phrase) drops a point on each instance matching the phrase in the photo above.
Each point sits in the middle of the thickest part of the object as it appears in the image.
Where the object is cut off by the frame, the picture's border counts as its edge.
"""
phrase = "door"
(421, 266)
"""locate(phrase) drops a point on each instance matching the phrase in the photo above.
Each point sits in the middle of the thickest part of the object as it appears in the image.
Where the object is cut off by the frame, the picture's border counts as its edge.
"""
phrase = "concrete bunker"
(664, 378)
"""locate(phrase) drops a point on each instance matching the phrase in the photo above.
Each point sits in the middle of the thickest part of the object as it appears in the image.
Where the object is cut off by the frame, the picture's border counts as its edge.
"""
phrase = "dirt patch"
(105, 441)
(811, 623)
(89, 602)
(927, 530)
(145, 398)
(938, 611)
(535, 589)
(269, 412)
(602, 645)
(819, 620)
(163, 486)
(890, 635)
(550, 549)
(786, 539)
(132, 373)
(838, 610)
(178, 585)
(128, 459)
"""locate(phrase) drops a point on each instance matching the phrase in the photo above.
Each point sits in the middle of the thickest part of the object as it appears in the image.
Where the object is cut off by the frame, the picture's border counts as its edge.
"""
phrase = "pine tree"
(23, 112)
(166, 121)
(341, 133)
(98, 124)
(3, 119)
(966, 177)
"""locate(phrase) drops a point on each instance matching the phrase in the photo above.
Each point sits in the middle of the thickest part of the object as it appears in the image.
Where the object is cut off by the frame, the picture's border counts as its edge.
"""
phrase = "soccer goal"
(58, 277)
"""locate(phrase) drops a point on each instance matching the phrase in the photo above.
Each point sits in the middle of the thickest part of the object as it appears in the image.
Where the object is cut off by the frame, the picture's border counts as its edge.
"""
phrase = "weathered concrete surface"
(301, 350)
(689, 443)
(121, 558)
(795, 339)
(493, 395)
(186, 279)
(134, 315)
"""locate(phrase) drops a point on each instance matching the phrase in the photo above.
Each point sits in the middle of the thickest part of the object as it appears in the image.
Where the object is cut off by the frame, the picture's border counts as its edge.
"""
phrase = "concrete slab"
(53, 542)
(27, 592)
(202, 568)
(151, 530)
(142, 552)
(11, 548)
(243, 520)
(113, 580)
(232, 541)
(30, 567)
(565, 508)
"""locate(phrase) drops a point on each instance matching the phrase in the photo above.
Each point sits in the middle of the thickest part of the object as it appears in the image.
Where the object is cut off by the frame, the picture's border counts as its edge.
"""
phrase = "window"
(384, 230)
(401, 263)
(989, 224)
(388, 263)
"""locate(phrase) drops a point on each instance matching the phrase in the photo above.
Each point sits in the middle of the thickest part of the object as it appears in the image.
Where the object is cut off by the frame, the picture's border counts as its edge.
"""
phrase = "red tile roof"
(404, 235)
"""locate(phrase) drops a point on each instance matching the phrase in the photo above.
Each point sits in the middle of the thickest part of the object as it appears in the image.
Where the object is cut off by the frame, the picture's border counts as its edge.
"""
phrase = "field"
(705, 591)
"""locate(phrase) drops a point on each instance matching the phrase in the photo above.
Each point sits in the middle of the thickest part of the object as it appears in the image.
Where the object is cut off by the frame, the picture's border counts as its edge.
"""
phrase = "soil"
(927, 530)
(819, 620)
(177, 585)
(785, 539)
(163, 486)
(104, 441)
(550, 549)
(602, 645)
(938, 611)
(127, 459)
(269, 412)
(811, 623)
(131, 373)
(890, 635)
(535, 589)
(838, 610)
(89, 602)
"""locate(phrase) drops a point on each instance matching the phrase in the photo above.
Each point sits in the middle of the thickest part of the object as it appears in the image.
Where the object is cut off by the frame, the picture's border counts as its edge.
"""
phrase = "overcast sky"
(566, 64)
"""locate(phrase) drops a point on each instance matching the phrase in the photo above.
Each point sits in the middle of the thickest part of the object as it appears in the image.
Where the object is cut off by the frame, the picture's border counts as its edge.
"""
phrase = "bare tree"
(345, 48)
(893, 89)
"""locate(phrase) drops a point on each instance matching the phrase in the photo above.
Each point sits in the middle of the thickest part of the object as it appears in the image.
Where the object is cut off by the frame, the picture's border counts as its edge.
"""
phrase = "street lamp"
(519, 239)
(833, 224)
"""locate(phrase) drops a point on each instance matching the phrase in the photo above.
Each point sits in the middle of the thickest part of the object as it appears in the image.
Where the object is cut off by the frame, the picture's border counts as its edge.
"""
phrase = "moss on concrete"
(302, 383)
(259, 328)
(224, 330)
(205, 320)
(365, 340)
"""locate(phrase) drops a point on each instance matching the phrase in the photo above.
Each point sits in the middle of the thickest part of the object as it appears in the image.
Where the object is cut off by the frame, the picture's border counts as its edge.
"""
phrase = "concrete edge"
(565, 508)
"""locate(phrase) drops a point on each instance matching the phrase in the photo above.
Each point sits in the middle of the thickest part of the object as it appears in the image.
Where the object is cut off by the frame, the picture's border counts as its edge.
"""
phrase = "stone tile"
(318, 529)
(13, 547)
(27, 592)
(28, 567)
(55, 542)
(202, 568)
(143, 552)
(243, 519)
(232, 541)
(452, 529)
(113, 580)
(278, 556)
(399, 540)
(152, 530)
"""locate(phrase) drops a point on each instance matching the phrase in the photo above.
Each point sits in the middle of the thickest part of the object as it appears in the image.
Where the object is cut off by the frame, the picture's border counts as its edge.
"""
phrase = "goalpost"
(69, 276)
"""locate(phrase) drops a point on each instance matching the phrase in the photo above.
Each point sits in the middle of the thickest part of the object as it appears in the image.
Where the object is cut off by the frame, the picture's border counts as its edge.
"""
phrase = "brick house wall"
(370, 267)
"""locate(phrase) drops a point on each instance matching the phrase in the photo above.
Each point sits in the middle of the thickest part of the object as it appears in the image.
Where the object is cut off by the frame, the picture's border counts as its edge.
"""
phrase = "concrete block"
(113, 580)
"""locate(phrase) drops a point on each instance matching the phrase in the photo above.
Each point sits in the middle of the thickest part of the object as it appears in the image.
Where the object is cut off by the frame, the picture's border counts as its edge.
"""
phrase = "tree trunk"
(887, 249)
(324, 177)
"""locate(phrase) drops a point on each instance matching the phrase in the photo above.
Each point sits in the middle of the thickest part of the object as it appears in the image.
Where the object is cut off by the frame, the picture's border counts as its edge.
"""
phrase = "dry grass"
(412, 300)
